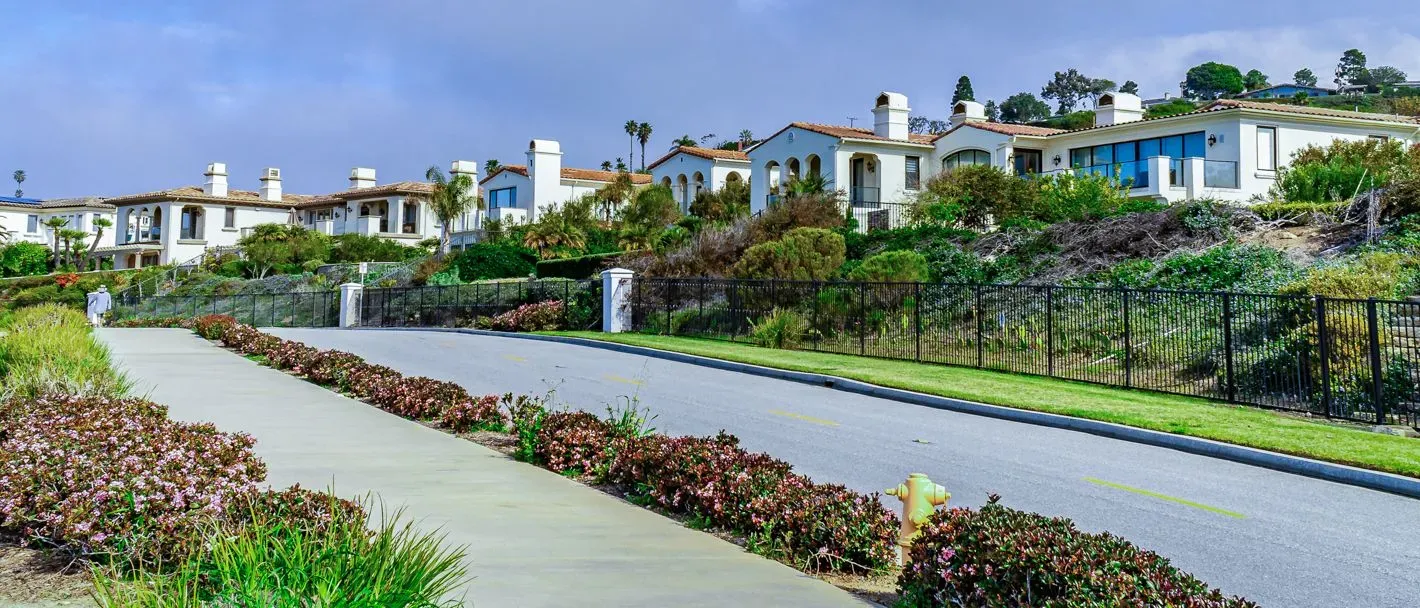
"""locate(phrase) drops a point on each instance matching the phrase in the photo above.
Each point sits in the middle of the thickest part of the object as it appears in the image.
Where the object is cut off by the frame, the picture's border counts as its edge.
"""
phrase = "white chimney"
(545, 173)
(362, 177)
(271, 184)
(890, 115)
(1115, 108)
(465, 167)
(216, 183)
(966, 111)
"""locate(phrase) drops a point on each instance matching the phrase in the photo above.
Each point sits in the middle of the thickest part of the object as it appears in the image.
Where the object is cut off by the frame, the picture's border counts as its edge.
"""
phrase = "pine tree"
(963, 92)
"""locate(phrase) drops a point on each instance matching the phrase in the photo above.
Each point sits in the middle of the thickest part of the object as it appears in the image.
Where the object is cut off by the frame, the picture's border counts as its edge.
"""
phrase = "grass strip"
(1180, 415)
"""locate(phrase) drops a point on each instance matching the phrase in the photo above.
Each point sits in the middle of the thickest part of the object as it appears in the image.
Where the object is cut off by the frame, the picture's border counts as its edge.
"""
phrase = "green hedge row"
(576, 268)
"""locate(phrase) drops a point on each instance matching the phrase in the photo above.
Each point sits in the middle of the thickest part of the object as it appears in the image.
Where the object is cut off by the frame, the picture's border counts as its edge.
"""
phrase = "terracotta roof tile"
(706, 153)
(1228, 104)
(843, 132)
(405, 187)
(590, 175)
(245, 198)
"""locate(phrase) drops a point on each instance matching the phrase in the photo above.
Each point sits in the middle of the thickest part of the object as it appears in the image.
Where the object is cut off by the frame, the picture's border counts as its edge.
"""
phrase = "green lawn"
(1169, 413)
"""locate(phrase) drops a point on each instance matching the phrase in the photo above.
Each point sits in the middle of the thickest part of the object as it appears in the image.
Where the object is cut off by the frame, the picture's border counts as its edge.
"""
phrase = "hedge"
(576, 268)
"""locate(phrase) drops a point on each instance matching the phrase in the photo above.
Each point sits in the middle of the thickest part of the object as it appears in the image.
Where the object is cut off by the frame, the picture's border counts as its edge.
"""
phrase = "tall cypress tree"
(963, 92)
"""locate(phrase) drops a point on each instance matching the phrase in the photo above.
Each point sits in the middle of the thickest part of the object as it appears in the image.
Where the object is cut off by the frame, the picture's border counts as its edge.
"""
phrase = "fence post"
(862, 318)
(813, 315)
(669, 295)
(1128, 345)
(917, 317)
(980, 328)
(1231, 386)
(1324, 345)
(1050, 330)
(700, 306)
(350, 304)
(1377, 380)
(566, 295)
(616, 302)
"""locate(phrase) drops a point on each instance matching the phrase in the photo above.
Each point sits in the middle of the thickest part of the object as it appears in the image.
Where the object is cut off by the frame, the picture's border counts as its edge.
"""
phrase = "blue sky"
(107, 99)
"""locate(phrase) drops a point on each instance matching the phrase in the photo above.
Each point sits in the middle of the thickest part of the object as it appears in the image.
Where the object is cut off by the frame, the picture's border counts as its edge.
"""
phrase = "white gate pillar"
(616, 300)
(350, 304)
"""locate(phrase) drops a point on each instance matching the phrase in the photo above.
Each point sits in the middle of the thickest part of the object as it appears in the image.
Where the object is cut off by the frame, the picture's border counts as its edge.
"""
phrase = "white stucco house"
(181, 224)
(690, 170)
(876, 168)
(516, 194)
(1230, 149)
(25, 218)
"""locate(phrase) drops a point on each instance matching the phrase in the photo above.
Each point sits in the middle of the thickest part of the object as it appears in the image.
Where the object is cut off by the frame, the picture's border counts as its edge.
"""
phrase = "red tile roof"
(1228, 104)
(240, 198)
(706, 153)
(842, 132)
(588, 175)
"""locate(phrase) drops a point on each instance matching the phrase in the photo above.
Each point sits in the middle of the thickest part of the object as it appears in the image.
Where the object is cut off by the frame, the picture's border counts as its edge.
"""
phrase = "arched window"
(158, 223)
(793, 166)
(815, 165)
(966, 158)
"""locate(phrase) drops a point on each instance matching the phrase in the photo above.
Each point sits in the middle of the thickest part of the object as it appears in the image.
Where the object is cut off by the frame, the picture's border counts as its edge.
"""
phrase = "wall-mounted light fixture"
(1212, 139)
(872, 167)
(1056, 160)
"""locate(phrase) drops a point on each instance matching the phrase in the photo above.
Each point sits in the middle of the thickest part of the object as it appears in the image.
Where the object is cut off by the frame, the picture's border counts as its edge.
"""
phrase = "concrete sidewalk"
(533, 538)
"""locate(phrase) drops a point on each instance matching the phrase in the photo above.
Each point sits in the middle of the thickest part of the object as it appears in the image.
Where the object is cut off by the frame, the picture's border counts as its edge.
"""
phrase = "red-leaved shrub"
(538, 316)
(568, 441)
(107, 476)
(822, 527)
(473, 415)
(997, 556)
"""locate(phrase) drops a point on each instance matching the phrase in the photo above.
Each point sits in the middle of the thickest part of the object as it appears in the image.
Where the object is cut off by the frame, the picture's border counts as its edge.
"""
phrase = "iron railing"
(293, 309)
(1347, 359)
(463, 305)
(880, 216)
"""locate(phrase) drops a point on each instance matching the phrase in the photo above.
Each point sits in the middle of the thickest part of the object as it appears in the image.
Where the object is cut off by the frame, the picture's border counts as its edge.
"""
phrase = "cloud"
(1159, 63)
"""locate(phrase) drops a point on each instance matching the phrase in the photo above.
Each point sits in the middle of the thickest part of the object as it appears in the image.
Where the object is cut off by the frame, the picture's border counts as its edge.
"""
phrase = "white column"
(1193, 177)
(350, 304)
(616, 300)
(1158, 167)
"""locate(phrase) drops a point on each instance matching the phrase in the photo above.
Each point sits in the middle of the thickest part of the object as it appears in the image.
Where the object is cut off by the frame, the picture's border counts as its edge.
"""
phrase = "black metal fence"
(462, 305)
(1349, 359)
(293, 309)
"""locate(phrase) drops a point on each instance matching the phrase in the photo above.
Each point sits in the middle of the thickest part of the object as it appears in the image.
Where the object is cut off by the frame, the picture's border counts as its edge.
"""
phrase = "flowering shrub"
(998, 556)
(115, 476)
(821, 527)
(572, 441)
(473, 415)
(213, 327)
(296, 507)
(66, 279)
(538, 316)
(170, 322)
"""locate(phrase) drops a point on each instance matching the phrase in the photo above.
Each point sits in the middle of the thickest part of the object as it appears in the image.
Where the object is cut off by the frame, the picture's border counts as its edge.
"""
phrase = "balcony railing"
(862, 196)
(1220, 174)
(1176, 172)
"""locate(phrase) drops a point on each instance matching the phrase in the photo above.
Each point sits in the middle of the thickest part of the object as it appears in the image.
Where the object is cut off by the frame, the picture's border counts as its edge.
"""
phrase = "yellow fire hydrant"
(920, 498)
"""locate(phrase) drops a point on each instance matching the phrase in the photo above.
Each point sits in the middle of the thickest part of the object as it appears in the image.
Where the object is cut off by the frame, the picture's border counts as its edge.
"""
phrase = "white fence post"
(350, 304)
(616, 300)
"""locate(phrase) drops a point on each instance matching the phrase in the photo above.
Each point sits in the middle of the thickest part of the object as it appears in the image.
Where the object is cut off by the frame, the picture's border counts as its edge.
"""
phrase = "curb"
(1339, 473)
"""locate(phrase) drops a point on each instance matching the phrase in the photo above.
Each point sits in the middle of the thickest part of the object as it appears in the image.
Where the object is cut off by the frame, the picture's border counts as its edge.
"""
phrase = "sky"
(108, 98)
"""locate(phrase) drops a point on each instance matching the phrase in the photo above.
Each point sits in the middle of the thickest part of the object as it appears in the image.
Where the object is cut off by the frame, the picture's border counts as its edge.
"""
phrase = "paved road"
(1279, 539)
(533, 538)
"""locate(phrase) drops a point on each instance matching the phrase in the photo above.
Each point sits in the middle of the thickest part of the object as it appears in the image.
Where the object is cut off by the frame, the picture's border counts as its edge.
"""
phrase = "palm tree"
(490, 166)
(632, 127)
(19, 176)
(621, 164)
(606, 165)
(746, 137)
(643, 135)
(99, 224)
(73, 246)
(55, 224)
(683, 140)
(616, 191)
(551, 232)
(451, 198)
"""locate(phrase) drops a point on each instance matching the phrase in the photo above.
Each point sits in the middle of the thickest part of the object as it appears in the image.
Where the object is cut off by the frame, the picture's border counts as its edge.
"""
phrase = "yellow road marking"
(1173, 499)
(515, 358)
(623, 380)
(803, 417)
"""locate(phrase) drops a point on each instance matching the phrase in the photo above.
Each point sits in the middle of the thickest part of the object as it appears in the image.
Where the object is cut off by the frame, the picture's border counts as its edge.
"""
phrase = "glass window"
(1027, 162)
(1149, 148)
(1104, 155)
(32, 226)
(1080, 157)
(503, 198)
(966, 158)
(1267, 148)
(914, 174)
(1195, 145)
(230, 219)
(1173, 146)
(1380, 138)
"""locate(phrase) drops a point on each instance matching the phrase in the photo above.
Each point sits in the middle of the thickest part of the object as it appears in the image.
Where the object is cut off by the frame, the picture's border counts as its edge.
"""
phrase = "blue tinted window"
(1194, 145)
(1149, 147)
(1173, 146)
(1124, 153)
(1080, 157)
(1104, 155)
